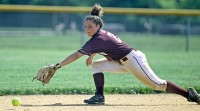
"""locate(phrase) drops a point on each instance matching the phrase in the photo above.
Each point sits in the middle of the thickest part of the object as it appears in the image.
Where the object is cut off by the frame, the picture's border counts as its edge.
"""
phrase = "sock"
(99, 83)
(172, 88)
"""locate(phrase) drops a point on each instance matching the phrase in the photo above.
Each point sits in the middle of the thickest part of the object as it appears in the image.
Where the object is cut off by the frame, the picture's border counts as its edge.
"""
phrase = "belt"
(124, 59)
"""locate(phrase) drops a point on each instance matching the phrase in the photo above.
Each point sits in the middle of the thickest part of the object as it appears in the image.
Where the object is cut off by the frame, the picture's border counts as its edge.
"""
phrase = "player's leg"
(190, 94)
(103, 65)
(172, 88)
(99, 66)
(138, 65)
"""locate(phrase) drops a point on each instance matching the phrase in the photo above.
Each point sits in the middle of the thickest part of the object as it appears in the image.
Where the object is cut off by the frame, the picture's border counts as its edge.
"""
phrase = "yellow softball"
(16, 102)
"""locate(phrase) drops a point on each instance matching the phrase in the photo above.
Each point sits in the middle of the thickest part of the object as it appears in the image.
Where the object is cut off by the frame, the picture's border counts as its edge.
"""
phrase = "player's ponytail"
(95, 15)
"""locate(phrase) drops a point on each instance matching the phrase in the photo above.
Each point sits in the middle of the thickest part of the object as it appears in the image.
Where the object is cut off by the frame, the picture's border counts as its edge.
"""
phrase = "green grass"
(21, 57)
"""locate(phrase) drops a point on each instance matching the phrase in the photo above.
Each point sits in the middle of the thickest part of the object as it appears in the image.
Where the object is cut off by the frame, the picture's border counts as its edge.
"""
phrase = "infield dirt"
(149, 102)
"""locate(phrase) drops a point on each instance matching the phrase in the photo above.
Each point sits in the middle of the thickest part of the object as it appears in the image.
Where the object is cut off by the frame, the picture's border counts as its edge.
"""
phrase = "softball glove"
(46, 73)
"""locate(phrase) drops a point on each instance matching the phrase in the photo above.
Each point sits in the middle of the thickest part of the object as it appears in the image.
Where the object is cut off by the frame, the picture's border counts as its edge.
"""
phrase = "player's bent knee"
(160, 86)
(96, 67)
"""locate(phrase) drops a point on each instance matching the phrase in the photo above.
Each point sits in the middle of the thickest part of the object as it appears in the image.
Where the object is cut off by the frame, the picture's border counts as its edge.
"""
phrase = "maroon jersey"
(106, 44)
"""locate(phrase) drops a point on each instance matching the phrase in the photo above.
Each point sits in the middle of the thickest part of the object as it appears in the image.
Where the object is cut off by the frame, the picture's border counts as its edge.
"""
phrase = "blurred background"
(47, 23)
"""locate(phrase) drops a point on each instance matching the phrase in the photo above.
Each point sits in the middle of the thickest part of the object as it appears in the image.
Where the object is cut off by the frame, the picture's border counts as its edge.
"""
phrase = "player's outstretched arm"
(71, 58)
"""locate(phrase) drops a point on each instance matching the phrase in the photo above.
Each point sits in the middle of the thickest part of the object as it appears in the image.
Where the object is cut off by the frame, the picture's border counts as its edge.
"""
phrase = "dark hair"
(96, 14)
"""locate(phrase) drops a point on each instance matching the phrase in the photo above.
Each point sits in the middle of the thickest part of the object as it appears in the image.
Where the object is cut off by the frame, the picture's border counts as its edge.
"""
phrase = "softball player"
(119, 58)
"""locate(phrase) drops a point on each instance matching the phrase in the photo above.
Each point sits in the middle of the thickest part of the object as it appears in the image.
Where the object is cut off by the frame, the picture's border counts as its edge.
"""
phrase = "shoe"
(96, 99)
(193, 96)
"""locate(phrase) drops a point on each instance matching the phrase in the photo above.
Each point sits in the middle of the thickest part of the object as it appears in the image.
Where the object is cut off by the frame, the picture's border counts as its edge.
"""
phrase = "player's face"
(91, 28)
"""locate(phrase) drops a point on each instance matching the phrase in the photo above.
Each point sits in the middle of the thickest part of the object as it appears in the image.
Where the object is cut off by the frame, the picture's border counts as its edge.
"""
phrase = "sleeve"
(84, 50)
(89, 48)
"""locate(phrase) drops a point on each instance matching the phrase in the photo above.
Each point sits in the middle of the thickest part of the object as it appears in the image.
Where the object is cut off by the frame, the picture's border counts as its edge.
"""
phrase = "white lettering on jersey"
(115, 37)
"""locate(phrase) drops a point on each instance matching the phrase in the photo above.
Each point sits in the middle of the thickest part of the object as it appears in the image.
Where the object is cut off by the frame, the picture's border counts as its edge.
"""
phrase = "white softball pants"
(137, 64)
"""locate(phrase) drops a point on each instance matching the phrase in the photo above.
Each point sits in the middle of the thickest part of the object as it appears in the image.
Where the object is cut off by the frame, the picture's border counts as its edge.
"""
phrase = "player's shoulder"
(105, 33)
(102, 35)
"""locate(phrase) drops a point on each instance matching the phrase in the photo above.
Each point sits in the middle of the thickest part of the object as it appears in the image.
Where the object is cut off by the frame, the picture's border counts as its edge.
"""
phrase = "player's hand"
(89, 61)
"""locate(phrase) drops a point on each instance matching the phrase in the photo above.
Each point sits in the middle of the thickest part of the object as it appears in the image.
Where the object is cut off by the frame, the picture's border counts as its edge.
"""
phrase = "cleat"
(193, 96)
(96, 99)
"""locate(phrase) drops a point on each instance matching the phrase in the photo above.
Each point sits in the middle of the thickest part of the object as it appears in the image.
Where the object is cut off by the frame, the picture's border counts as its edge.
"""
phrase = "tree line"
(132, 23)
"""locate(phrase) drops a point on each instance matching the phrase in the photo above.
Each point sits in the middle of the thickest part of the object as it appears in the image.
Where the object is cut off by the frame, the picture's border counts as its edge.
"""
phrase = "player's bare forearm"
(71, 58)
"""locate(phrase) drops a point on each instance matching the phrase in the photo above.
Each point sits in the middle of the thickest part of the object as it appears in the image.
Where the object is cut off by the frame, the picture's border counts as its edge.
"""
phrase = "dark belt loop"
(125, 59)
